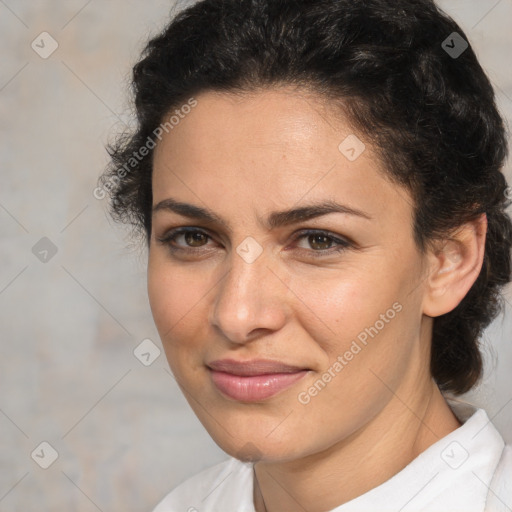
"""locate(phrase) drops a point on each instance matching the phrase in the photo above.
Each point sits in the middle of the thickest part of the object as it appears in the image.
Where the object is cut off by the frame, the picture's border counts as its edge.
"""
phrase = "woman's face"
(334, 299)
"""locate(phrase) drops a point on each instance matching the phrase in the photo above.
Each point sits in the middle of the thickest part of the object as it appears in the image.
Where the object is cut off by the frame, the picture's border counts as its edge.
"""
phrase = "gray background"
(124, 434)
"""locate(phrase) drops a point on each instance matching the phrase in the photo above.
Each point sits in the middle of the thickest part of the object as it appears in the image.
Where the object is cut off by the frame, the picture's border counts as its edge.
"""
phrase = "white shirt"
(452, 475)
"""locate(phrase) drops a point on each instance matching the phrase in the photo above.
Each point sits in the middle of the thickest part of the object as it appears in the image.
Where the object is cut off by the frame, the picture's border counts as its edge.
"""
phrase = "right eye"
(192, 236)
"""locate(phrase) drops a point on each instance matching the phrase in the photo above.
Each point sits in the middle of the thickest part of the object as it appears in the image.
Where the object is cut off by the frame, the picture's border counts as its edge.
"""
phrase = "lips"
(253, 380)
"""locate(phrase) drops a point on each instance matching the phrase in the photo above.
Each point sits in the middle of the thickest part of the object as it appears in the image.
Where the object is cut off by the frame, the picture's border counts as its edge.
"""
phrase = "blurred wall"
(73, 300)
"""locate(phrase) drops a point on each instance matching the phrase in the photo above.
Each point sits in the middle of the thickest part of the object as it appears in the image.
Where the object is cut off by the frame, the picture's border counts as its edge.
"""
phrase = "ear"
(455, 264)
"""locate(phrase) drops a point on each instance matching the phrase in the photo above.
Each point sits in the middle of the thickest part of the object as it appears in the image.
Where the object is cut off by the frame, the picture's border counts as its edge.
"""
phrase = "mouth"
(254, 380)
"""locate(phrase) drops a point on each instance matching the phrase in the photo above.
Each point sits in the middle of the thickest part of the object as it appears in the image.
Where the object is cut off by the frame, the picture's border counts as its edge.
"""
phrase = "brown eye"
(193, 238)
(322, 243)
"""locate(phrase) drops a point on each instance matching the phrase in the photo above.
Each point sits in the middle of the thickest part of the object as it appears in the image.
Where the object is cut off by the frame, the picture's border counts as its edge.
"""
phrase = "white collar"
(452, 475)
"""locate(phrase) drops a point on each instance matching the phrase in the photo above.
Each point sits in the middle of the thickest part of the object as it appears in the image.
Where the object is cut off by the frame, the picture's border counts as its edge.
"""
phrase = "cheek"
(177, 300)
(360, 316)
(343, 302)
(161, 294)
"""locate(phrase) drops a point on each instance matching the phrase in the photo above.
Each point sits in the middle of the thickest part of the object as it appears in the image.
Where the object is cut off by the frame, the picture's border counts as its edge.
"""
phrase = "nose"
(250, 300)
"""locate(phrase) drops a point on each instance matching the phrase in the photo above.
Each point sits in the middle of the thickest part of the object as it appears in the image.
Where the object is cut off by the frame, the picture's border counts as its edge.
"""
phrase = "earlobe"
(455, 266)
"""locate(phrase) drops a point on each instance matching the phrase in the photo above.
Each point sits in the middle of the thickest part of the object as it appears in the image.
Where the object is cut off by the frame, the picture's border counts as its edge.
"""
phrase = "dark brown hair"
(395, 68)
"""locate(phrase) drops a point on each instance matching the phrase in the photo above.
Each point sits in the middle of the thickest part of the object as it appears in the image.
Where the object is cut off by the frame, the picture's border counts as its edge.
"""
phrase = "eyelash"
(342, 244)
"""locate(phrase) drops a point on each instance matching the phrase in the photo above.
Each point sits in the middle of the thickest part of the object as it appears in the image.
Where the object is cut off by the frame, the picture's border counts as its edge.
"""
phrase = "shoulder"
(499, 497)
(215, 489)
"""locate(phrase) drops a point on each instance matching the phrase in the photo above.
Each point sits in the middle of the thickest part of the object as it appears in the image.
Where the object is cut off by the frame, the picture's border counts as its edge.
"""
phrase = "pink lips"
(255, 380)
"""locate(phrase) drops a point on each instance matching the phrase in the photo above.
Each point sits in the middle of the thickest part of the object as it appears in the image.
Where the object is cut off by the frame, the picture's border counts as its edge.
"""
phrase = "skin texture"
(243, 157)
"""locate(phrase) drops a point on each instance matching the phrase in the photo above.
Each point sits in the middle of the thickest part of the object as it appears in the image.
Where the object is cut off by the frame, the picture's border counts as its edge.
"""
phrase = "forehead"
(272, 148)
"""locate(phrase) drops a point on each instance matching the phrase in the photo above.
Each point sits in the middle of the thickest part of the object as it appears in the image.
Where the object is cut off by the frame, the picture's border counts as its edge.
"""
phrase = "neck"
(406, 427)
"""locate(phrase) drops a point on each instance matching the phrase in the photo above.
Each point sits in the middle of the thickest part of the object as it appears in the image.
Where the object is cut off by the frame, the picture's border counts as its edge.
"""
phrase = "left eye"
(316, 239)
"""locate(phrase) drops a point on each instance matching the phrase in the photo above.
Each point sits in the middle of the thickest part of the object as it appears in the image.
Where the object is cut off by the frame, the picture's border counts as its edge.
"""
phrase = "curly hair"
(429, 112)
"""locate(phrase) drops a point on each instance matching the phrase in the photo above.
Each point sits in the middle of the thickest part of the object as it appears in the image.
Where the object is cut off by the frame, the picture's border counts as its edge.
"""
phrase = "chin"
(256, 448)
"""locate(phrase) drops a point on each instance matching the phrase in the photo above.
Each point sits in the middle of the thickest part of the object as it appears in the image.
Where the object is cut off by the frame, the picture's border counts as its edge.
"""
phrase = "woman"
(319, 186)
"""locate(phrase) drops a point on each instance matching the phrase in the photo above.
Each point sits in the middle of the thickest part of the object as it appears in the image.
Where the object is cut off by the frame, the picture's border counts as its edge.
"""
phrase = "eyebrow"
(274, 219)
